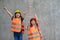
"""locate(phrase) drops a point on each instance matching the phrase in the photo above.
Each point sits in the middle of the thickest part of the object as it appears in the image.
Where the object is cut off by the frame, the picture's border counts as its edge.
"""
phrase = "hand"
(29, 8)
(41, 36)
(5, 8)
(27, 25)
(22, 32)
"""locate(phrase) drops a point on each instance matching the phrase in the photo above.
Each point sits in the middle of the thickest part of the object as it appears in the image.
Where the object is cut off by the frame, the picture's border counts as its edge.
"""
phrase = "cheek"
(17, 14)
(34, 22)
(31, 22)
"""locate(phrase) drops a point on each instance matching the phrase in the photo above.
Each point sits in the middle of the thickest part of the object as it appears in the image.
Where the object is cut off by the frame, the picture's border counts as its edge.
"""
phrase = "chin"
(17, 17)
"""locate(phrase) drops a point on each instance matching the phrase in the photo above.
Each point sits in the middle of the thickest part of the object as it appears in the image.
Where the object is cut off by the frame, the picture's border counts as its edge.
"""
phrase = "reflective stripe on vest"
(16, 24)
(33, 34)
(16, 28)
(34, 37)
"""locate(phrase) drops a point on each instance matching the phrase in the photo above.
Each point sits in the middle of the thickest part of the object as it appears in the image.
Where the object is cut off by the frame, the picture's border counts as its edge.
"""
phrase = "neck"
(34, 25)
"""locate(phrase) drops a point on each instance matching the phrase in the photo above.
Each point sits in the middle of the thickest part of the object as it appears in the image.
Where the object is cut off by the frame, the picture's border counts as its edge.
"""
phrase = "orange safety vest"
(33, 33)
(16, 25)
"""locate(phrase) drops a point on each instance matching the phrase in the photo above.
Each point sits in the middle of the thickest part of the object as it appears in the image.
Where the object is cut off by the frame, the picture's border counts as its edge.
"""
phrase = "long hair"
(35, 22)
(21, 20)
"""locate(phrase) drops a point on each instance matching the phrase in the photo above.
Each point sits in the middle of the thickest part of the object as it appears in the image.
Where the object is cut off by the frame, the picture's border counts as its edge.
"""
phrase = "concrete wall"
(48, 12)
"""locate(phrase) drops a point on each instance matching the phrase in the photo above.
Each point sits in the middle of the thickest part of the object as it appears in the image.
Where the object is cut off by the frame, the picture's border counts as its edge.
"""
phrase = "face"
(17, 15)
(33, 22)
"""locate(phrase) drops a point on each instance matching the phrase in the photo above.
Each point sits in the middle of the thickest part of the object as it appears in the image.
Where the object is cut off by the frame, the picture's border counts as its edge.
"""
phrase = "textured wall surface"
(48, 12)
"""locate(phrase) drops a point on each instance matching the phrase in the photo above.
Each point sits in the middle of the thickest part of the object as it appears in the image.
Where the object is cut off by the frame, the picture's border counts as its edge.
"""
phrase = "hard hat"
(18, 11)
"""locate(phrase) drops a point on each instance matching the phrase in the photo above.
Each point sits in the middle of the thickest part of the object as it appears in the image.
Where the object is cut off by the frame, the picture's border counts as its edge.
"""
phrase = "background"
(48, 12)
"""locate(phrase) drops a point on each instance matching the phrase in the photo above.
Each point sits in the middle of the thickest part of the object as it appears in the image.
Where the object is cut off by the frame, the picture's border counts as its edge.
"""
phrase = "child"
(33, 29)
(17, 23)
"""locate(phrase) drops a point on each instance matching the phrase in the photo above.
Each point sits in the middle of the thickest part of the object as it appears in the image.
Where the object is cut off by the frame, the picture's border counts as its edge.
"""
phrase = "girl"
(33, 29)
(17, 23)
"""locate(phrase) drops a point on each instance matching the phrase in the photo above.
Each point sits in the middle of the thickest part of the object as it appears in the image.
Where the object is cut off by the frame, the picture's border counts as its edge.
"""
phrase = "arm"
(27, 11)
(23, 27)
(41, 36)
(36, 18)
(10, 14)
(27, 26)
(38, 27)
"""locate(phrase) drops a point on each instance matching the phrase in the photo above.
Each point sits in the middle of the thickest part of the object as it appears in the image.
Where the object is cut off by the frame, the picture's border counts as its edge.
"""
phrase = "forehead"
(17, 13)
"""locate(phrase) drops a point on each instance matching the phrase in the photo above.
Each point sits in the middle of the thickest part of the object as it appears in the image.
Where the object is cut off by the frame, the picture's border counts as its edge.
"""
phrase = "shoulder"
(12, 17)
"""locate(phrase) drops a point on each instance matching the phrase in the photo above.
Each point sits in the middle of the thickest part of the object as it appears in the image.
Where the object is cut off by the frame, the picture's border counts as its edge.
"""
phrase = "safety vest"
(16, 25)
(33, 33)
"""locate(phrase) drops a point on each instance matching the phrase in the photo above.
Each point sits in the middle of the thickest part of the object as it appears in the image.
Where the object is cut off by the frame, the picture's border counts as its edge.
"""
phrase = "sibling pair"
(17, 26)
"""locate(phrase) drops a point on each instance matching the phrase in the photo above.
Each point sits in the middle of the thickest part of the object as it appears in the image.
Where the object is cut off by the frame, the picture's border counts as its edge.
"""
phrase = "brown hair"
(34, 20)
(19, 17)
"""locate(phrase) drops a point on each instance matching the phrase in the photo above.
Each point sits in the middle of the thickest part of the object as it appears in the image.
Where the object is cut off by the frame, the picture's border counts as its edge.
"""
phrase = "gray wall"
(48, 12)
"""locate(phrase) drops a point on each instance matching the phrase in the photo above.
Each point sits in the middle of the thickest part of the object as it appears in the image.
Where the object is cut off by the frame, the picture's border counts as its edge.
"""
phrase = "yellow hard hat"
(18, 11)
